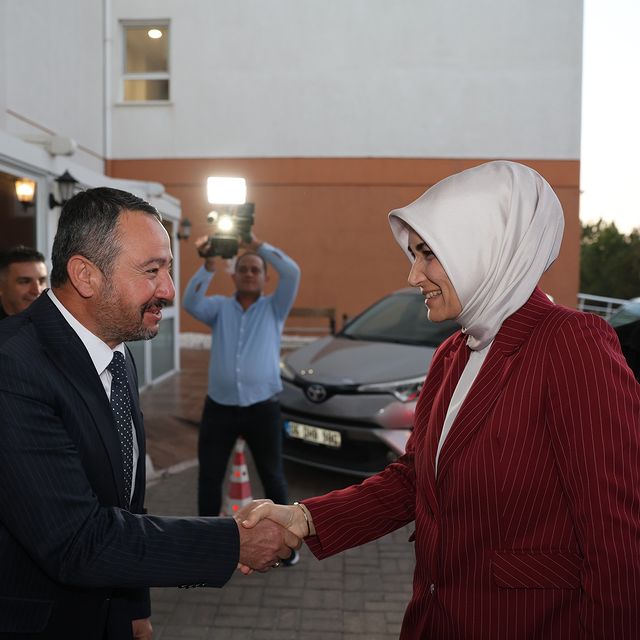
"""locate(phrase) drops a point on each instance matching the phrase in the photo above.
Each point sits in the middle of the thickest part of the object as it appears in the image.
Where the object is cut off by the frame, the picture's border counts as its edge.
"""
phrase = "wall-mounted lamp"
(66, 186)
(25, 191)
(184, 232)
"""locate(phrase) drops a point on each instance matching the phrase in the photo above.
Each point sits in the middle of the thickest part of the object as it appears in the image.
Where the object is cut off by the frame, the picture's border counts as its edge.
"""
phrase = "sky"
(610, 154)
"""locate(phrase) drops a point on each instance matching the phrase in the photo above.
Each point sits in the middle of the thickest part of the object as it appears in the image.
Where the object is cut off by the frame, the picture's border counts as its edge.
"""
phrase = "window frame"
(164, 24)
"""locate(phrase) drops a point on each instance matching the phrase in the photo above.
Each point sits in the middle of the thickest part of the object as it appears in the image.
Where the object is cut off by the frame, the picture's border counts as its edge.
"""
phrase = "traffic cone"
(239, 492)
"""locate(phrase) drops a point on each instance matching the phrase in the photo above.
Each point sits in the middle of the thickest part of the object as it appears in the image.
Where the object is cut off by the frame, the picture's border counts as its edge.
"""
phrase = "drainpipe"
(107, 81)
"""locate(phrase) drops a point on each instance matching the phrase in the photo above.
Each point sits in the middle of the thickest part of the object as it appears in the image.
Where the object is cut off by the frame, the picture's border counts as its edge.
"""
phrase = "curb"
(154, 476)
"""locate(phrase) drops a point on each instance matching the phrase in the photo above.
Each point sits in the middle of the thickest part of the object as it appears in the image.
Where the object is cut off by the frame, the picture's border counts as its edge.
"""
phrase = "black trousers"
(261, 427)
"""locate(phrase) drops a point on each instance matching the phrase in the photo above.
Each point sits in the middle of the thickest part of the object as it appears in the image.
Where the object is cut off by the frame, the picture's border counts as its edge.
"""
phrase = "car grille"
(360, 459)
(314, 419)
(330, 389)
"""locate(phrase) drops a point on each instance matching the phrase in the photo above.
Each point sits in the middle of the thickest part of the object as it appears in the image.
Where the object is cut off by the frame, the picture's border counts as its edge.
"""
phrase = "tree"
(609, 261)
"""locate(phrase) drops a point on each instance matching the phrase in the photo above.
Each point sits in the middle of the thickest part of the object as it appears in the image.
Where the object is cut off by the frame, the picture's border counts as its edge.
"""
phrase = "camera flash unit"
(226, 190)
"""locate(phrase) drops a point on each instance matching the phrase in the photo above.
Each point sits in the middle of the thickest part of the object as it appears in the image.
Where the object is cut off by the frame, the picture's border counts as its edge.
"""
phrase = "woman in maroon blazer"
(523, 470)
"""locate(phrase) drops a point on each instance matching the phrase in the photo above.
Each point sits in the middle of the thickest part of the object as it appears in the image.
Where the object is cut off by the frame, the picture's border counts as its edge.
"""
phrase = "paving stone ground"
(359, 594)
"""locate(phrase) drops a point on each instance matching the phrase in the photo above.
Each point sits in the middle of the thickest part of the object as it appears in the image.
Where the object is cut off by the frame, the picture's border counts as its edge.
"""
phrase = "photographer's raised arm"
(288, 276)
(194, 300)
(253, 245)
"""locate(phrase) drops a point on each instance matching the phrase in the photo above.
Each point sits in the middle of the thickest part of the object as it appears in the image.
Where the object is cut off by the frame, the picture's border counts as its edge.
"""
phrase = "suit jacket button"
(432, 588)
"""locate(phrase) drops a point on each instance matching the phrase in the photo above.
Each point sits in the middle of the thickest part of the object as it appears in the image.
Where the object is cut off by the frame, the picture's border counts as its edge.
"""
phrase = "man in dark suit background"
(77, 555)
(23, 277)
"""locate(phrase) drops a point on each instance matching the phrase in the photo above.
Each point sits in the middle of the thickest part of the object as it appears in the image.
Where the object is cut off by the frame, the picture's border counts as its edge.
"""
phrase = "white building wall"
(412, 78)
(53, 69)
(52, 72)
(54, 60)
(3, 64)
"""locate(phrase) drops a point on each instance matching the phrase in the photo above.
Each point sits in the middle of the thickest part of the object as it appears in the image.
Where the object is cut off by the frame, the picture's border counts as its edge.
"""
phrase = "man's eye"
(153, 271)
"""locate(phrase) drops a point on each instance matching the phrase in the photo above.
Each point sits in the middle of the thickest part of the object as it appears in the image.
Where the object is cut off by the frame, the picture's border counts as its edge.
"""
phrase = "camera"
(233, 226)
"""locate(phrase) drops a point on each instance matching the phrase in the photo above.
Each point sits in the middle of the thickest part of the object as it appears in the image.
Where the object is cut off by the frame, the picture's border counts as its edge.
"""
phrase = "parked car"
(626, 313)
(348, 400)
(626, 322)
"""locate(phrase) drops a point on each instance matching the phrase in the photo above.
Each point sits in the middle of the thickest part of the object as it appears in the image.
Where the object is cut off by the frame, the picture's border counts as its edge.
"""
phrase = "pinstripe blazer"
(532, 527)
(75, 563)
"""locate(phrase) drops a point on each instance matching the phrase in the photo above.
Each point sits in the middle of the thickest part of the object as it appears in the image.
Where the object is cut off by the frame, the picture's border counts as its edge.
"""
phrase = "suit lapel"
(484, 392)
(453, 366)
(441, 382)
(69, 355)
(490, 381)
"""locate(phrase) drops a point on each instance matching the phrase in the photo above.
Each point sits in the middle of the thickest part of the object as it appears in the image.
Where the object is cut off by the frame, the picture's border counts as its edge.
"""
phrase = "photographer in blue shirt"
(244, 370)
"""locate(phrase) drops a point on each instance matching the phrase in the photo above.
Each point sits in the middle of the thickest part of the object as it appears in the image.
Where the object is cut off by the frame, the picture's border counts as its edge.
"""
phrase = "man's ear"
(84, 276)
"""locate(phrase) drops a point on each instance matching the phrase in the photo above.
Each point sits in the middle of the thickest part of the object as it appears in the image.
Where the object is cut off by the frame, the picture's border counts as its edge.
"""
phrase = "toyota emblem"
(316, 393)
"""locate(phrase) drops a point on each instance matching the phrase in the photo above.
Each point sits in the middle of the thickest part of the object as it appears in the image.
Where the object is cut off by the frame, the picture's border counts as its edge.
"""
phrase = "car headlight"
(404, 390)
(286, 371)
(396, 415)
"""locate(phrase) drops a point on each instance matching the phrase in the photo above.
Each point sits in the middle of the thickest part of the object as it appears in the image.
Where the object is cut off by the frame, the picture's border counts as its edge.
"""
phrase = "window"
(146, 62)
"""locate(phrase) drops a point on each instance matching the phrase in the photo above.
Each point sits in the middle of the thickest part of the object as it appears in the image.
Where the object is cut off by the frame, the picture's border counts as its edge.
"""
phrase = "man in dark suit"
(77, 553)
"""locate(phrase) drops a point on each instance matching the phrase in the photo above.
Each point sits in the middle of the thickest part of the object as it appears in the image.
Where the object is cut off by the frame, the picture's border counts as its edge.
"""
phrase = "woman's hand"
(291, 517)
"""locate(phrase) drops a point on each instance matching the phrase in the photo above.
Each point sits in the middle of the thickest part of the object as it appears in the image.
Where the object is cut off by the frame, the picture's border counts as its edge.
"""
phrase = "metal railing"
(600, 305)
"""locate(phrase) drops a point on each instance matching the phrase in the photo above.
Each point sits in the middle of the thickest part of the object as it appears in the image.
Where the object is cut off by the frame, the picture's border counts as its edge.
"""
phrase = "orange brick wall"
(330, 215)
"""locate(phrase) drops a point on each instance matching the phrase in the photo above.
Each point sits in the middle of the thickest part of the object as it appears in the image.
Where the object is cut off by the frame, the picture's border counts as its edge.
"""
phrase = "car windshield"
(629, 312)
(400, 318)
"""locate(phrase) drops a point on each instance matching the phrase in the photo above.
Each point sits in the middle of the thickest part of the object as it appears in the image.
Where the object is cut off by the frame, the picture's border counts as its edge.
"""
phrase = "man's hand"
(142, 629)
(264, 544)
(290, 517)
(202, 246)
(253, 245)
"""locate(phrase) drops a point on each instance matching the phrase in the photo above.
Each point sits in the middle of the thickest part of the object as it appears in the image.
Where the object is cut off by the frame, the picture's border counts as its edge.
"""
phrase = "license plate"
(306, 432)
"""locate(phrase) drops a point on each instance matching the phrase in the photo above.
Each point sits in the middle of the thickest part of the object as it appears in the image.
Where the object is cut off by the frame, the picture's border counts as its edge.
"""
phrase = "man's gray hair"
(88, 227)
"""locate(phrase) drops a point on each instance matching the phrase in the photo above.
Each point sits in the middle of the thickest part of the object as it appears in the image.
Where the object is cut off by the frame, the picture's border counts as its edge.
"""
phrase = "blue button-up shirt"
(244, 367)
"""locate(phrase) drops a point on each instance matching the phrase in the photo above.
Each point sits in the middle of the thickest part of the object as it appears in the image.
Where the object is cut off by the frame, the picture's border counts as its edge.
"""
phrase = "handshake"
(270, 532)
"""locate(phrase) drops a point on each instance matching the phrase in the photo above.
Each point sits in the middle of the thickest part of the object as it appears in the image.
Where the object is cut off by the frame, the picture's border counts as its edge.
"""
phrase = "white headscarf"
(495, 228)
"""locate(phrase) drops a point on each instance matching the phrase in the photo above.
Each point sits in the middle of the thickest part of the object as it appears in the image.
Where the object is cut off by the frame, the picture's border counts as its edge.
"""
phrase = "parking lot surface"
(359, 594)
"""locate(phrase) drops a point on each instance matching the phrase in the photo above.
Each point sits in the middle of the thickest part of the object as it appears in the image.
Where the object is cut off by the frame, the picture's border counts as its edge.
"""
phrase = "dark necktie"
(121, 409)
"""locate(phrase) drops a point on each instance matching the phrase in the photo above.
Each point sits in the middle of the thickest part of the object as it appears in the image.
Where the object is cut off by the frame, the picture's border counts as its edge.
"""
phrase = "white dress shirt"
(101, 355)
